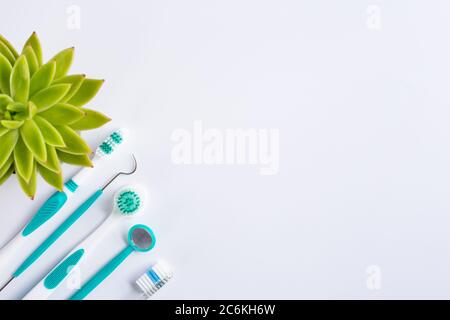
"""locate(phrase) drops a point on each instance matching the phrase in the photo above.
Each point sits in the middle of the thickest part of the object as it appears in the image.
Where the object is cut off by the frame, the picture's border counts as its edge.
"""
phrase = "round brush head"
(129, 201)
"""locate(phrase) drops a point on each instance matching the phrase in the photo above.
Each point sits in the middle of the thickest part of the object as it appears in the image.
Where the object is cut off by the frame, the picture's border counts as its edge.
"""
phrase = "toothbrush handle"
(45, 213)
(57, 201)
(84, 174)
(39, 292)
(49, 208)
(45, 288)
(102, 274)
(58, 232)
(10, 250)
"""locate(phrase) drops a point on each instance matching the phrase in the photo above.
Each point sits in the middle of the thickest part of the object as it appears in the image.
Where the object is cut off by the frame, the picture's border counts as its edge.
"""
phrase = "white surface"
(363, 115)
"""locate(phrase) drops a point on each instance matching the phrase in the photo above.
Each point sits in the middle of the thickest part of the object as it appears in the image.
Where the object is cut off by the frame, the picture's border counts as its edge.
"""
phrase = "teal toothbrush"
(140, 238)
(58, 200)
(128, 202)
(67, 224)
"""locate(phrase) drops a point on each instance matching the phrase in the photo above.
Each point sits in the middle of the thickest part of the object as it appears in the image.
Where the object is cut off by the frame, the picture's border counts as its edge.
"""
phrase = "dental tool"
(128, 202)
(140, 239)
(83, 208)
(58, 200)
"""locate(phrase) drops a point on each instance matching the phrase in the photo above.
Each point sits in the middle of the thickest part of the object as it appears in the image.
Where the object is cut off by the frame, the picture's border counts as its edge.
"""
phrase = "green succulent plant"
(42, 114)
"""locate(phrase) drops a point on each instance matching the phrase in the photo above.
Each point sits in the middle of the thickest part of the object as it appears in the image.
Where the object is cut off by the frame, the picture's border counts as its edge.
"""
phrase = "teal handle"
(102, 274)
(58, 232)
(62, 270)
(48, 210)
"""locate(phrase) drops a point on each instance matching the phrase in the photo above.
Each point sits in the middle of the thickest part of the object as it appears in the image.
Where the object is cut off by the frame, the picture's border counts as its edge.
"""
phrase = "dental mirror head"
(141, 238)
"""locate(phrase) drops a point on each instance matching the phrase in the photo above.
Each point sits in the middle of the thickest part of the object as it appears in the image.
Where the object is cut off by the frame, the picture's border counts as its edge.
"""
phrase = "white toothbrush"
(58, 199)
(128, 202)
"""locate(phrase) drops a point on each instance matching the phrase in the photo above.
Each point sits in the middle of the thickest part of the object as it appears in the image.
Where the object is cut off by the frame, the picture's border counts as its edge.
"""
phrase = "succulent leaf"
(22, 111)
(7, 143)
(20, 80)
(54, 179)
(4, 50)
(75, 81)
(32, 109)
(74, 143)
(16, 107)
(29, 187)
(51, 135)
(43, 77)
(7, 174)
(3, 131)
(75, 159)
(63, 62)
(35, 44)
(33, 63)
(20, 117)
(52, 162)
(9, 46)
(86, 92)
(7, 115)
(33, 139)
(41, 114)
(4, 101)
(23, 159)
(6, 166)
(50, 96)
(5, 74)
(92, 120)
(11, 124)
(62, 114)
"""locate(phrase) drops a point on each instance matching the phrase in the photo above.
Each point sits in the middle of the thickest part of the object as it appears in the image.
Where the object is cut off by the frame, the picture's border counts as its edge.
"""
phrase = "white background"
(363, 115)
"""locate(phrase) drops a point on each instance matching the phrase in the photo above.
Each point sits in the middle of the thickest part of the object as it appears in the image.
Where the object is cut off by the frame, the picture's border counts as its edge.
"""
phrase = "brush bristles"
(128, 202)
(110, 144)
(154, 279)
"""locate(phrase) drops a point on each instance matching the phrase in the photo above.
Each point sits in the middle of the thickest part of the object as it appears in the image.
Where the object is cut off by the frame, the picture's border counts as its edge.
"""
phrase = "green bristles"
(116, 137)
(128, 202)
(109, 145)
(106, 148)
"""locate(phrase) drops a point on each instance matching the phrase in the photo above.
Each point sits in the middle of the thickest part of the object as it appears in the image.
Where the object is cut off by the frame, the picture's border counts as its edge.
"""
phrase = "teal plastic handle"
(48, 210)
(102, 274)
(58, 233)
(62, 270)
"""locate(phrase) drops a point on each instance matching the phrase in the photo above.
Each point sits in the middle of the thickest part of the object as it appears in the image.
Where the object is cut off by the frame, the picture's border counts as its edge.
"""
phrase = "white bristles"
(109, 145)
(149, 284)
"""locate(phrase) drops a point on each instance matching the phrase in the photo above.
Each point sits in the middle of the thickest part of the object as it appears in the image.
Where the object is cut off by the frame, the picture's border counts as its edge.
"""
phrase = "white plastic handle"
(10, 249)
(15, 245)
(41, 292)
(82, 175)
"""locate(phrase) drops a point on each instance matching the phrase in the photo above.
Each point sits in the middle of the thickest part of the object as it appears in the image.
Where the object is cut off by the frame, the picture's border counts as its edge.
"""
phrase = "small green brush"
(128, 202)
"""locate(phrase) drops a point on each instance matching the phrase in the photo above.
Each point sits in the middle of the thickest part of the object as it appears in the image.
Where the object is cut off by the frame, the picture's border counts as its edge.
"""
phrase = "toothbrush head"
(129, 201)
(111, 143)
(154, 279)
